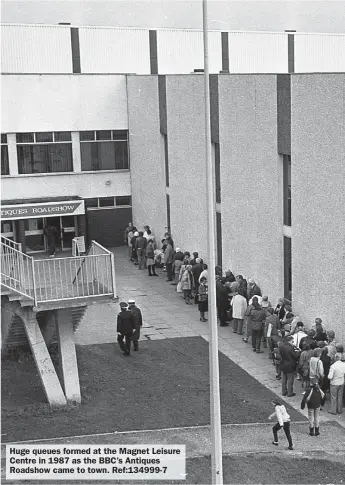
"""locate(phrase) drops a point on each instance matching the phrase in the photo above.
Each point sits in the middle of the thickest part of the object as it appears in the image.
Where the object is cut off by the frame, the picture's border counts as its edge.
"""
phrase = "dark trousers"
(126, 345)
(169, 271)
(51, 245)
(196, 298)
(222, 315)
(286, 427)
(136, 337)
(287, 383)
(256, 339)
(151, 267)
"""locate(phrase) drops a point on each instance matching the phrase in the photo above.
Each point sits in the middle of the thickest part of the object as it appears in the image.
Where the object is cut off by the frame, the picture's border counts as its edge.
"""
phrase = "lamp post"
(216, 435)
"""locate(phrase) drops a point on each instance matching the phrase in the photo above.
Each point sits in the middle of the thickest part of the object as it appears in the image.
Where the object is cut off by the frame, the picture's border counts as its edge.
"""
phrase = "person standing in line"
(242, 284)
(204, 273)
(280, 309)
(195, 257)
(331, 346)
(150, 258)
(326, 362)
(253, 289)
(314, 397)
(272, 327)
(316, 366)
(125, 328)
(229, 276)
(239, 307)
(336, 378)
(197, 269)
(222, 299)
(288, 365)
(130, 234)
(128, 229)
(258, 316)
(135, 311)
(140, 246)
(203, 299)
(187, 283)
(134, 251)
(283, 421)
(168, 258)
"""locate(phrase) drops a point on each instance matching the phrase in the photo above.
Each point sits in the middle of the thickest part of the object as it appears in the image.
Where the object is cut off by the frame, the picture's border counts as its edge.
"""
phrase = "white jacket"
(337, 373)
(239, 306)
(281, 415)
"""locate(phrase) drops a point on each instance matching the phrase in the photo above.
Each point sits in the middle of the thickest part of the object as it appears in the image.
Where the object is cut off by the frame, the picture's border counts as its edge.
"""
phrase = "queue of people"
(310, 355)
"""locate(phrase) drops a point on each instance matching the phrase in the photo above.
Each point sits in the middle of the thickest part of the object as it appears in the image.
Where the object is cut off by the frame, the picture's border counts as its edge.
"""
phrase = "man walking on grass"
(135, 311)
(125, 328)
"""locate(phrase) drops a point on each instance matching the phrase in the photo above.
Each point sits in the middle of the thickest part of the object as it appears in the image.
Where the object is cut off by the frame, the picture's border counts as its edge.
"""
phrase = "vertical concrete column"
(291, 51)
(20, 233)
(45, 367)
(68, 356)
(225, 52)
(153, 51)
(12, 154)
(76, 154)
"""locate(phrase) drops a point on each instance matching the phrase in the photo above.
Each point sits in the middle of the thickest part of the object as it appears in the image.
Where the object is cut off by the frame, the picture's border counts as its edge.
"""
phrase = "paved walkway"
(166, 315)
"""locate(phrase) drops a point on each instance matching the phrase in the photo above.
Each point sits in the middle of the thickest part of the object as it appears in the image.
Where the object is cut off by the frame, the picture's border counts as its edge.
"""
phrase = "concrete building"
(90, 142)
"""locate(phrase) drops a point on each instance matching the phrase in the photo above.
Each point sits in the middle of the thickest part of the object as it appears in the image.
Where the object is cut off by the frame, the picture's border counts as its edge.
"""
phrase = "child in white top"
(283, 419)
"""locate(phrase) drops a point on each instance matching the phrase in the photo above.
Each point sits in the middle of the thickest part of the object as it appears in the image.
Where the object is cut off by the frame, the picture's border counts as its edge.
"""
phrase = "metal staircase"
(43, 302)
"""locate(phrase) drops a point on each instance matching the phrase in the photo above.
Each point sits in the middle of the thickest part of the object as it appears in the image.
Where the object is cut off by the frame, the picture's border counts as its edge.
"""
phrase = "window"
(287, 189)
(166, 159)
(99, 202)
(123, 200)
(219, 238)
(44, 152)
(104, 150)
(287, 268)
(106, 202)
(217, 171)
(168, 213)
(5, 168)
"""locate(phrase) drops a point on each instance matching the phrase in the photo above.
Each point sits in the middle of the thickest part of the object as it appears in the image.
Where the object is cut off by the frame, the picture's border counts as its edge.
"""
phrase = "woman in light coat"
(187, 283)
(239, 307)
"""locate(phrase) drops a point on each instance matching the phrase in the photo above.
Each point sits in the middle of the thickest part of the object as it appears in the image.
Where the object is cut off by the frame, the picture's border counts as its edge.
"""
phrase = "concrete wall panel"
(68, 184)
(147, 154)
(63, 103)
(251, 178)
(318, 198)
(186, 145)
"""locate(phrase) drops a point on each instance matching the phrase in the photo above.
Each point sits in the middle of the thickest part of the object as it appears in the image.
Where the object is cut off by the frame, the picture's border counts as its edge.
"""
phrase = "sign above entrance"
(45, 209)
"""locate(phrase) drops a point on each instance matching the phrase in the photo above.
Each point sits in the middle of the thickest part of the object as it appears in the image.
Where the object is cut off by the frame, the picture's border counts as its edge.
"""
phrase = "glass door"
(68, 230)
(8, 229)
(34, 237)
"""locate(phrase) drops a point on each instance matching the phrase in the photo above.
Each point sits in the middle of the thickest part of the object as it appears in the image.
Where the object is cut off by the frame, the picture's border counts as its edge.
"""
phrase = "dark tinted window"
(120, 135)
(3, 138)
(123, 200)
(87, 135)
(106, 201)
(103, 135)
(25, 138)
(44, 137)
(62, 136)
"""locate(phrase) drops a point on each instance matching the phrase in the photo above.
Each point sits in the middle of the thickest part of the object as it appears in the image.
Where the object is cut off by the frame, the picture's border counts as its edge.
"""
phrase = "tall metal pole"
(216, 434)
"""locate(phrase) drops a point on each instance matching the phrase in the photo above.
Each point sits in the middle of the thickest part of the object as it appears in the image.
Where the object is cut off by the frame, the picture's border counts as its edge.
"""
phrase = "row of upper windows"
(51, 152)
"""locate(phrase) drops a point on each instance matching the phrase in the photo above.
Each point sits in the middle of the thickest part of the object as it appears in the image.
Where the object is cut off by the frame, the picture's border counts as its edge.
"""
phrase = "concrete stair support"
(44, 364)
(68, 356)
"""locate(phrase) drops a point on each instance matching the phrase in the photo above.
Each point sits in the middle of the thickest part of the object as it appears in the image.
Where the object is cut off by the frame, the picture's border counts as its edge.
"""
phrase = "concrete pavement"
(166, 315)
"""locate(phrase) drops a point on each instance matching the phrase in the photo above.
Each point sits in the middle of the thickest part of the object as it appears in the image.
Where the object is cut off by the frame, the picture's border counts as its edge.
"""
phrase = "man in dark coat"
(197, 269)
(222, 294)
(309, 340)
(253, 289)
(138, 322)
(288, 365)
(195, 257)
(51, 234)
(257, 316)
(125, 328)
(242, 285)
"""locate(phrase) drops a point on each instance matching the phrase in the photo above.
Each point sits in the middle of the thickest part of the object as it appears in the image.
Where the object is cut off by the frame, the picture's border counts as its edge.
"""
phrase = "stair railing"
(17, 269)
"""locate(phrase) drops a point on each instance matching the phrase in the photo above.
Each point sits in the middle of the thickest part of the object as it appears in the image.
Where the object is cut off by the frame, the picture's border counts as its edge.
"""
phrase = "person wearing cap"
(283, 421)
(314, 398)
(288, 366)
(253, 289)
(125, 328)
(229, 276)
(135, 311)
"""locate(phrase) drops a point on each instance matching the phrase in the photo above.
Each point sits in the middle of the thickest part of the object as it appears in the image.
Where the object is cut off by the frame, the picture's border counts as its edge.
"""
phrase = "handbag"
(179, 287)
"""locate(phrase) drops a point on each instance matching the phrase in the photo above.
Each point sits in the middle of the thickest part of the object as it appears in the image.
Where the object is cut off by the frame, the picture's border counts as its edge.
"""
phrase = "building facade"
(91, 148)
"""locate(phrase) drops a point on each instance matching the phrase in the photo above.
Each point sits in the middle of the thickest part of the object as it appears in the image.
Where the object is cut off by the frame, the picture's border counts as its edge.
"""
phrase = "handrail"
(12, 244)
(17, 271)
(95, 243)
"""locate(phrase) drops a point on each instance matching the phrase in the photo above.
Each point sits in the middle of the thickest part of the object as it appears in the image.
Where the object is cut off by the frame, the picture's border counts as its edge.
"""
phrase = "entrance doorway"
(35, 240)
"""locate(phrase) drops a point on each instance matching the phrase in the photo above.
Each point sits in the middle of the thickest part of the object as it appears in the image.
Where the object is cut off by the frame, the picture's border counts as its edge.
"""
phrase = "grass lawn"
(165, 384)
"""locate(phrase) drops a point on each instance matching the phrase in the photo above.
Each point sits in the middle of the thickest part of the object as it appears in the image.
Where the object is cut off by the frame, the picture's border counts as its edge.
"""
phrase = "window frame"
(114, 139)
(5, 160)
